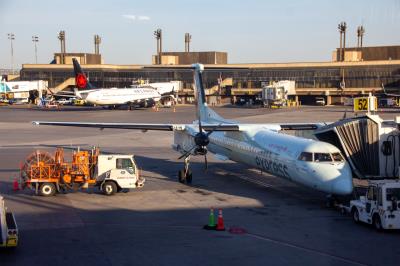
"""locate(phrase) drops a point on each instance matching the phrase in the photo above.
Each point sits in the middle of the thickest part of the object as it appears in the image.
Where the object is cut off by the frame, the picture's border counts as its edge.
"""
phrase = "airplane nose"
(343, 185)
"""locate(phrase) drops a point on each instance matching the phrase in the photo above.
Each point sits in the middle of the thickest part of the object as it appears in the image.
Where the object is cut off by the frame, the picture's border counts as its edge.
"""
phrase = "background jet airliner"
(111, 96)
(312, 163)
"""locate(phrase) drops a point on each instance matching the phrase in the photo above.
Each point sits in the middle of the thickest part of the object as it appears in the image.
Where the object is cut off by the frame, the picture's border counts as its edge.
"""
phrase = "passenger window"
(322, 157)
(306, 156)
(337, 157)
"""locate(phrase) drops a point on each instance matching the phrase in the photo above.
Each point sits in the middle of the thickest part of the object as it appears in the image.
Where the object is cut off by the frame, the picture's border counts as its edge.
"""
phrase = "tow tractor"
(8, 227)
(380, 206)
(47, 174)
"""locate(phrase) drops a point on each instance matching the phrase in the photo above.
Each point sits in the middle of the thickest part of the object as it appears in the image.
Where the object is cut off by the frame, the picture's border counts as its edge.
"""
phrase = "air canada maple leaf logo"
(80, 81)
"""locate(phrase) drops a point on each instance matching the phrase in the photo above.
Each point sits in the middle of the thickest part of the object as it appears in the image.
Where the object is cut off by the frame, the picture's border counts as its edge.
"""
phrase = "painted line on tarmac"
(325, 254)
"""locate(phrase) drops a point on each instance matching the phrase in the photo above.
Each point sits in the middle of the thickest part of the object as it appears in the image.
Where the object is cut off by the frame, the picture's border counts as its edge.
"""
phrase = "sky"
(251, 31)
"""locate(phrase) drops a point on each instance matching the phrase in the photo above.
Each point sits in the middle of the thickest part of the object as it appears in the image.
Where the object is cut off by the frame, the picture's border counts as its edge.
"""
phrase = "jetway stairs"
(214, 89)
(66, 83)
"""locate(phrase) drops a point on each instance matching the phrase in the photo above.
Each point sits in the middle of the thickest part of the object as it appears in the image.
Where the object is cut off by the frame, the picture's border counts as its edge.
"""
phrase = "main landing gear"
(185, 175)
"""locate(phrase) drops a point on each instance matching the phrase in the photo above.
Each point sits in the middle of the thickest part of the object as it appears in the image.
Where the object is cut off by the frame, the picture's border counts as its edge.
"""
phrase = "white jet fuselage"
(117, 96)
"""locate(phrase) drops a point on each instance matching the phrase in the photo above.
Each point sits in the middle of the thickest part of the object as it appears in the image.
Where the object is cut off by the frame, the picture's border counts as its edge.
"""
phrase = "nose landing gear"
(185, 175)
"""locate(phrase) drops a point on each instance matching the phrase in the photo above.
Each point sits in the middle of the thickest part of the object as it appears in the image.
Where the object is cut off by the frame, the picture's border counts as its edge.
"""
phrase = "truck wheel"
(355, 215)
(377, 222)
(47, 189)
(109, 188)
(181, 176)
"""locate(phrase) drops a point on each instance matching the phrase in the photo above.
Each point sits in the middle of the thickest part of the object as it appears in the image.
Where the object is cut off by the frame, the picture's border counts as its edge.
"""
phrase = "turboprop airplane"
(312, 163)
(111, 96)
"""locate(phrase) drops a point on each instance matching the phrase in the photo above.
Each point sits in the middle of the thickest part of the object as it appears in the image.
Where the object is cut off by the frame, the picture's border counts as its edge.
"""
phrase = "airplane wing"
(171, 127)
(141, 126)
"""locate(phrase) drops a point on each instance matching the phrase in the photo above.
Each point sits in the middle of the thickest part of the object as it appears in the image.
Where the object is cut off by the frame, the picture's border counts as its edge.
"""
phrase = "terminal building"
(368, 70)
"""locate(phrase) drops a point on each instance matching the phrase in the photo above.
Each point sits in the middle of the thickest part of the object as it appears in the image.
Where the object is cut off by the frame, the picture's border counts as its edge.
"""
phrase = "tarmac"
(273, 221)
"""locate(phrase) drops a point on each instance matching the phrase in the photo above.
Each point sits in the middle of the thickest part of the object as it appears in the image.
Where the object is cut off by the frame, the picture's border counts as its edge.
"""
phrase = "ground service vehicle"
(320, 101)
(8, 227)
(380, 206)
(48, 174)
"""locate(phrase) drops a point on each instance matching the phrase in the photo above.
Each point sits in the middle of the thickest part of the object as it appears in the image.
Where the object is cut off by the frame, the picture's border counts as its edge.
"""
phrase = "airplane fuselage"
(279, 154)
(119, 96)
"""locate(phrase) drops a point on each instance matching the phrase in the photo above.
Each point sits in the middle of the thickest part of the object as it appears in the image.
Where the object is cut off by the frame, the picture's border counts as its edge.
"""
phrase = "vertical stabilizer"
(81, 80)
(204, 113)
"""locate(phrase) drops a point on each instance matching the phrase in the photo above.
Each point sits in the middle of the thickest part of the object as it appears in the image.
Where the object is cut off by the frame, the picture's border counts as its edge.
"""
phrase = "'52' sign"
(364, 104)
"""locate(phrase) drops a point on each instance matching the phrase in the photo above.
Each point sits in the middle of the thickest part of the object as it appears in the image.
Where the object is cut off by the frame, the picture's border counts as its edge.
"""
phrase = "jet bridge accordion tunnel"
(370, 145)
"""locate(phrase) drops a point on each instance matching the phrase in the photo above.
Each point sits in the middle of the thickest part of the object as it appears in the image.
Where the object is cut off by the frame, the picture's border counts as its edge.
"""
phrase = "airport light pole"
(342, 30)
(61, 37)
(360, 35)
(158, 36)
(11, 37)
(97, 41)
(188, 39)
(35, 40)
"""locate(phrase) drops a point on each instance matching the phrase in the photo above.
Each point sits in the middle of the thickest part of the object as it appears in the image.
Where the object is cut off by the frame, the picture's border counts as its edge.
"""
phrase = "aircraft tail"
(204, 113)
(81, 80)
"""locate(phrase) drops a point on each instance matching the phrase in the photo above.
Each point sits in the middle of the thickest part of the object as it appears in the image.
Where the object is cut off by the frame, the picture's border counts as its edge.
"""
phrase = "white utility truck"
(380, 206)
(47, 174)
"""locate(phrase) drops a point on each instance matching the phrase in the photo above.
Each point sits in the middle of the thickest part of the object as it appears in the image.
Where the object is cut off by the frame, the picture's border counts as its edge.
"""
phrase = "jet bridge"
(370, 144)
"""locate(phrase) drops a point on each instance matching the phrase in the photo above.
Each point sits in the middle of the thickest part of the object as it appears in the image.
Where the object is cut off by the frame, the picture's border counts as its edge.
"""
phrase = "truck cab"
(117, 172)
(380, 206)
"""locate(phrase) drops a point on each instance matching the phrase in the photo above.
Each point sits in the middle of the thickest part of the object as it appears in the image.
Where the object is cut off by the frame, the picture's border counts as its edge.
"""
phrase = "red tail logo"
(81, 81)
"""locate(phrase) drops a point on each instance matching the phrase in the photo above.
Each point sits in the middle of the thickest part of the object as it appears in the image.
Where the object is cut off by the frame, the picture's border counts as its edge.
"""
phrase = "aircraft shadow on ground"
(221, 176)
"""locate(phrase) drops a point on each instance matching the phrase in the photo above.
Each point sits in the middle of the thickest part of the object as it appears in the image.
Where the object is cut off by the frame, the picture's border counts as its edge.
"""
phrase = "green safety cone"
(211, 221)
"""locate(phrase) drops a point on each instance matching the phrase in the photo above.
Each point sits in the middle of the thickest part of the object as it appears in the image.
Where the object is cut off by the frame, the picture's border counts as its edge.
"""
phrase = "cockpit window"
(337, 157)
(322, 157)
(306, 156)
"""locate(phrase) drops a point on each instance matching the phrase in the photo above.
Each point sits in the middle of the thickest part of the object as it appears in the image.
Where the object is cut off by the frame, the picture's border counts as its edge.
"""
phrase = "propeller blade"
(213, 129)
(205, 162)
(187, 153)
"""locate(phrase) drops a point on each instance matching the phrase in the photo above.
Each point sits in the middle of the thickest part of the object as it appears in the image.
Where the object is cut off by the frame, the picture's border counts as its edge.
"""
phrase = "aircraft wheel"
(189, 177)
(181, 176)
(355, 215)
(47, 189)
(377, 222)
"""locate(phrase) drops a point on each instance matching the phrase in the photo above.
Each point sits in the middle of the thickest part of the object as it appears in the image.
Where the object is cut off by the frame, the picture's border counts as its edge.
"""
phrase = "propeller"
(201, 140)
